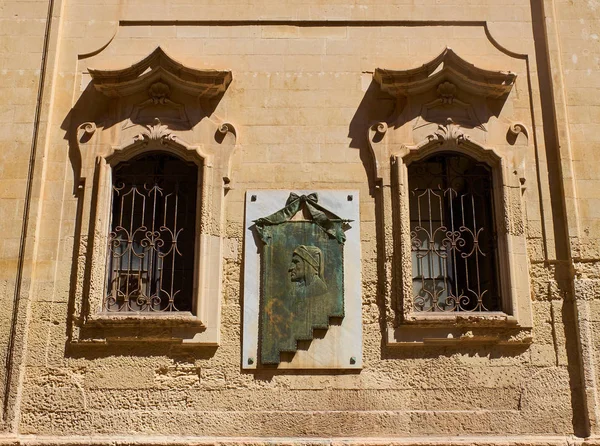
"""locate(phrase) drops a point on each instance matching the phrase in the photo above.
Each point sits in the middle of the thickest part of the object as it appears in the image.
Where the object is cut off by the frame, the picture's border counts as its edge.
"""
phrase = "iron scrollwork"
(453, 238)
(151, 243)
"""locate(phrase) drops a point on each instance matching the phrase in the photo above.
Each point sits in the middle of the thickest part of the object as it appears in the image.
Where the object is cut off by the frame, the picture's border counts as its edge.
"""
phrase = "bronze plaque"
(302, 278)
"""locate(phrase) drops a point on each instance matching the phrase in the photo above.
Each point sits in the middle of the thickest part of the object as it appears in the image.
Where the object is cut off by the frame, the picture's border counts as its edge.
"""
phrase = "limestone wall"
(22, 31)
(302, 100)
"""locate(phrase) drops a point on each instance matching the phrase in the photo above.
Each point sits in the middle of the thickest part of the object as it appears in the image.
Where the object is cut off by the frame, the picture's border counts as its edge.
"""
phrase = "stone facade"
(299, 96)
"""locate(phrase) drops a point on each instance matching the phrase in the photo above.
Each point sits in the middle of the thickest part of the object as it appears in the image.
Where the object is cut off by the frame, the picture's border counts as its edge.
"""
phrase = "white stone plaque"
(339, 346)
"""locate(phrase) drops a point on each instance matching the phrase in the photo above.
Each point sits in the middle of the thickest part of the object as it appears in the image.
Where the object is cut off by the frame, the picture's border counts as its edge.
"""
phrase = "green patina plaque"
(302, 275)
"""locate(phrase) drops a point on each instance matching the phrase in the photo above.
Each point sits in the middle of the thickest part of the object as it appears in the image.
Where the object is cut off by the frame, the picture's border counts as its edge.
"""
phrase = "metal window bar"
(453, 235)
(152, 237)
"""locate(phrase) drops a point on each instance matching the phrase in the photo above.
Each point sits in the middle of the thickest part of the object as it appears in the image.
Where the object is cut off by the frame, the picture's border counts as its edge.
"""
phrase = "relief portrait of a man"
(306, 271)
(302, 275)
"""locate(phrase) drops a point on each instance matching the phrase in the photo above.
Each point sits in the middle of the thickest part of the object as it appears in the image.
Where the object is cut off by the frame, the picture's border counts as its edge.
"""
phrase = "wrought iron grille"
(453, 235)
(152, 239)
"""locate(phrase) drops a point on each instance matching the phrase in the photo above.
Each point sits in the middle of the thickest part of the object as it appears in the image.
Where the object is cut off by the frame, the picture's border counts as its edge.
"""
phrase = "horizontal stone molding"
(530, 440)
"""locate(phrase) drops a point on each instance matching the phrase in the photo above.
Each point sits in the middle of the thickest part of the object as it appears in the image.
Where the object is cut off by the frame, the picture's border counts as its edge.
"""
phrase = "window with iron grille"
(453, 235)
(152, 242)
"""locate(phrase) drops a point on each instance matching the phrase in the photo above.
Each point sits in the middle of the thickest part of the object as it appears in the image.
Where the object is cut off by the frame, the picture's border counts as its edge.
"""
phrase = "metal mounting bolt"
(253, 198)
(250, 361)
(353, 360)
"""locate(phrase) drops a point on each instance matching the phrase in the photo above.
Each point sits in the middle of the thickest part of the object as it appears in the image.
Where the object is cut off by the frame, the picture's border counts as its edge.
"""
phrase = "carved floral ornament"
(155, 132)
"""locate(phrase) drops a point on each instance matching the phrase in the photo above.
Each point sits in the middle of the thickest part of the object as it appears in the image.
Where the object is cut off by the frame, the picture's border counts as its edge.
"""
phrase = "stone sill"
(161, 320)
(458, 329)
(176, 328)
(487, 319)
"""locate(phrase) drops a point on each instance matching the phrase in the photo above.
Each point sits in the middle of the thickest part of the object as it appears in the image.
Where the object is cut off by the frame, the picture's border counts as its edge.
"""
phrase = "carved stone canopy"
(448, 66)
(156, 67)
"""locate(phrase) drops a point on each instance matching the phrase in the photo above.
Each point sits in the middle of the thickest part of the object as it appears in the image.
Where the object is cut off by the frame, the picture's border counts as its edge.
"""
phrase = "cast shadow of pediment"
(375, 106)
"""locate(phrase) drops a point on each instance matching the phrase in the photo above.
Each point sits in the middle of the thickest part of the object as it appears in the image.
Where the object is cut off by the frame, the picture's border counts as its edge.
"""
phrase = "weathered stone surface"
(302, 100)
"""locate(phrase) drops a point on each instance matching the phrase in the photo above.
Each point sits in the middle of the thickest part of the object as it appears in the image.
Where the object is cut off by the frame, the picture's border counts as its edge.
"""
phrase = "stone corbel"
(375, 137)
(226, 133)
(515, 130)
(85, 131)
(82, 135)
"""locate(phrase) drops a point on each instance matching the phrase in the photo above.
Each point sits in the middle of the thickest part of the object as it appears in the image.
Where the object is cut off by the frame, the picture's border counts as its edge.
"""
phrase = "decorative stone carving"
(85, 131)
(517, 131)
(448, 107)
(449, 133)
(447, 90)
(517, 127)
(302, 306)
(156, 132)
(158, 67)
(447, 67)
(159, 92)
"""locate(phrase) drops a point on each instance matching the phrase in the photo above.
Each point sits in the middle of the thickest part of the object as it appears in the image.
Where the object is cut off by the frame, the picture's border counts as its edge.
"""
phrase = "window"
(153, 172)
(151, 244)
(454, 228)
(453, 235)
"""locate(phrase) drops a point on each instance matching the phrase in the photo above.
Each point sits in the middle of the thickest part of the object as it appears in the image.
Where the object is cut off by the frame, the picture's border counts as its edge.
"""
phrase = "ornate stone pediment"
(159, 67)
(447, 67)
(158, 100)
(445, 99)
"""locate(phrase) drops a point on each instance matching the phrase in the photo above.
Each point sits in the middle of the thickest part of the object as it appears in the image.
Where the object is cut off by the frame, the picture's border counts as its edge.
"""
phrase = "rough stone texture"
(302, 100)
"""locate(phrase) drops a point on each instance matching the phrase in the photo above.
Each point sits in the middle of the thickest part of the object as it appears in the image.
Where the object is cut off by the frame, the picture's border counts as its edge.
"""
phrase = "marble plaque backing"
(338, 347)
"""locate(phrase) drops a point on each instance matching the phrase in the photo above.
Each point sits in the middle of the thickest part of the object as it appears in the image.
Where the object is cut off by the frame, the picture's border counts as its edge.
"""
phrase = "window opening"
(453, 235)
(151, 244)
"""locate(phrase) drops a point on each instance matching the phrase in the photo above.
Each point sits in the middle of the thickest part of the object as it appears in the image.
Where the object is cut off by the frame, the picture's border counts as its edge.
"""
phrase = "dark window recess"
(151, 244)
(453, 235)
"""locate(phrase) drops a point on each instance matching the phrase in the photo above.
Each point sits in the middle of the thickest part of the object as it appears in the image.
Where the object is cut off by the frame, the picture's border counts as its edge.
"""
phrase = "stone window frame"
(115, 140)
(511, 247)
(446, 76)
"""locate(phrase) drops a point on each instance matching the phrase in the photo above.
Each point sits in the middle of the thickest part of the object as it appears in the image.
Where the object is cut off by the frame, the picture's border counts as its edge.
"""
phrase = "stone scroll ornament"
(302, 286)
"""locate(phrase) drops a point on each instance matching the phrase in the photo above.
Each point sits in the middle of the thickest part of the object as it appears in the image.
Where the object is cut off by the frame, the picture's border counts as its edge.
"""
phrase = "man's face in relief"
(297, 269)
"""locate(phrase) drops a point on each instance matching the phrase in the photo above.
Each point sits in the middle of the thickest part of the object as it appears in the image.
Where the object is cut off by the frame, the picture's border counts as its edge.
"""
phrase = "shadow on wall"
(375, 106)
